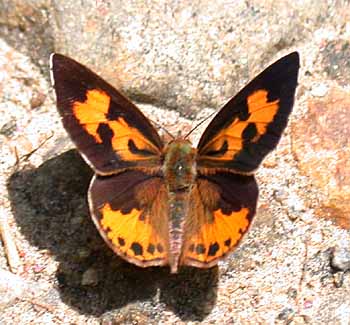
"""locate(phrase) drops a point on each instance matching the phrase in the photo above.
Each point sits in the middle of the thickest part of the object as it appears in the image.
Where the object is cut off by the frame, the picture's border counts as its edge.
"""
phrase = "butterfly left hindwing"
(130, 212)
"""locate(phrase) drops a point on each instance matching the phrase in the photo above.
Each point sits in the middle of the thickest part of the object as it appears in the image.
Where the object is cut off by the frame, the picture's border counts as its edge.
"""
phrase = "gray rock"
(26, 25)
(184, 56)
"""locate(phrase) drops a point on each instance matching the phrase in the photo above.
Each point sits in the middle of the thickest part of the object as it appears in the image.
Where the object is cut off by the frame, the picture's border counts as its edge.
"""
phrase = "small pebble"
(319, 90)
(8, 128)
(308, 304)
(340, 259)
(286, 314)
(83, 253)
(37, 100)
(38, 268)
(90, 277)
(338, 279)
(280, 195)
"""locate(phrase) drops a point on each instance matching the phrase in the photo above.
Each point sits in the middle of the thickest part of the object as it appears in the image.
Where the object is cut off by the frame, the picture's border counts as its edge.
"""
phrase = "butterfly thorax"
(179, 171)
(179, 166)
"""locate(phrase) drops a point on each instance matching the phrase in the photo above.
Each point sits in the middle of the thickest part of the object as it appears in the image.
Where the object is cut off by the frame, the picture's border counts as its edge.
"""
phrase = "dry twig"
(11, 251)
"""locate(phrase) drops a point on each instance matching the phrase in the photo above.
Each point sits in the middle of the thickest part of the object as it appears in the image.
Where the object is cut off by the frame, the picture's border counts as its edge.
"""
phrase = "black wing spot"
(135, 150)
(142, 216)
(227, 242)
(121, 241)
(200, 249)
(136, 248)
(219, 152)
(105, 133)
(213, 248)
(160, 248)
(151, 248)
(249, 132)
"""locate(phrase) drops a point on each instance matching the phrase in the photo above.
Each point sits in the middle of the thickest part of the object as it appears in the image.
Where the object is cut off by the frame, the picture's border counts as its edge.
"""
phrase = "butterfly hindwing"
(109, 131)
(250, 125)
(223, 207)
(130, 212)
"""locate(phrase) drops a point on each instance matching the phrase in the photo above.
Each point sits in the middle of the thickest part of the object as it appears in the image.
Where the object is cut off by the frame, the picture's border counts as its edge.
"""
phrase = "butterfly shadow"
(50, 208)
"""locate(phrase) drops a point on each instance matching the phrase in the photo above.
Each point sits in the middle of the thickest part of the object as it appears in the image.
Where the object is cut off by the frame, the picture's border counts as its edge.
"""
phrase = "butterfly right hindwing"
(223, 206)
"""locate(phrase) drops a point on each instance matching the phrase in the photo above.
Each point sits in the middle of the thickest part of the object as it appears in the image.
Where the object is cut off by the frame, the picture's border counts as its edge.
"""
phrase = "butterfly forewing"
(109, 130)
(250, 125)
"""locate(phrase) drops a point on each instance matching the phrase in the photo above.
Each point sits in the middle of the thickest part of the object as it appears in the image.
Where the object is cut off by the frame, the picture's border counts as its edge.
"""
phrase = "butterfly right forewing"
(250, 125)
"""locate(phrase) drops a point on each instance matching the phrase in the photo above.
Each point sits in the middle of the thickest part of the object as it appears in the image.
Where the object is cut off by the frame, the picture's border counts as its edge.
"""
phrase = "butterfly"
(170, 204)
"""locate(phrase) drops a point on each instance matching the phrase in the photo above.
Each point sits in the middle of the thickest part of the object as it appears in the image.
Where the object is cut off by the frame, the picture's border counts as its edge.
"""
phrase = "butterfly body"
(179, 172)
(157, 203)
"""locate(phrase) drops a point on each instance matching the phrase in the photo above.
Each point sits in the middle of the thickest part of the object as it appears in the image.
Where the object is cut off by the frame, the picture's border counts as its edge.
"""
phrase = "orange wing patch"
(126, 141)
(92, 112)
(231, 139)
(215, 239)
(262, 111)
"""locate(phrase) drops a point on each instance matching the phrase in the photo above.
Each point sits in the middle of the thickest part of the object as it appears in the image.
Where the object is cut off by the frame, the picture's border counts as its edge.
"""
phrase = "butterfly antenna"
(199, 124)
(163, 128)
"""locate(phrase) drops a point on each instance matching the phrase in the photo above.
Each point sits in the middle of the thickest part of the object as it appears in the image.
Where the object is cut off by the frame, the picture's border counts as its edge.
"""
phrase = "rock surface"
(321, 142)
(189, 58)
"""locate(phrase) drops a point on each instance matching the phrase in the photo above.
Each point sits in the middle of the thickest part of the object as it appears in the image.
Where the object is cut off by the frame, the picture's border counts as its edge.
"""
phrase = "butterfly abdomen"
(179, 171)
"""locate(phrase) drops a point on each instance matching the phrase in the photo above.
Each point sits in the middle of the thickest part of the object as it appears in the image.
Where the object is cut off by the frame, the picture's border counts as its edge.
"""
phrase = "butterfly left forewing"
(130, 211)
(109, 131)
(223, 206)
(250, 125)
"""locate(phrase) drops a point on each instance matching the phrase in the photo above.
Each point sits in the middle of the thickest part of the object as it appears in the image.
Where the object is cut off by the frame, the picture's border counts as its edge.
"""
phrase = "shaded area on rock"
(49, 204)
